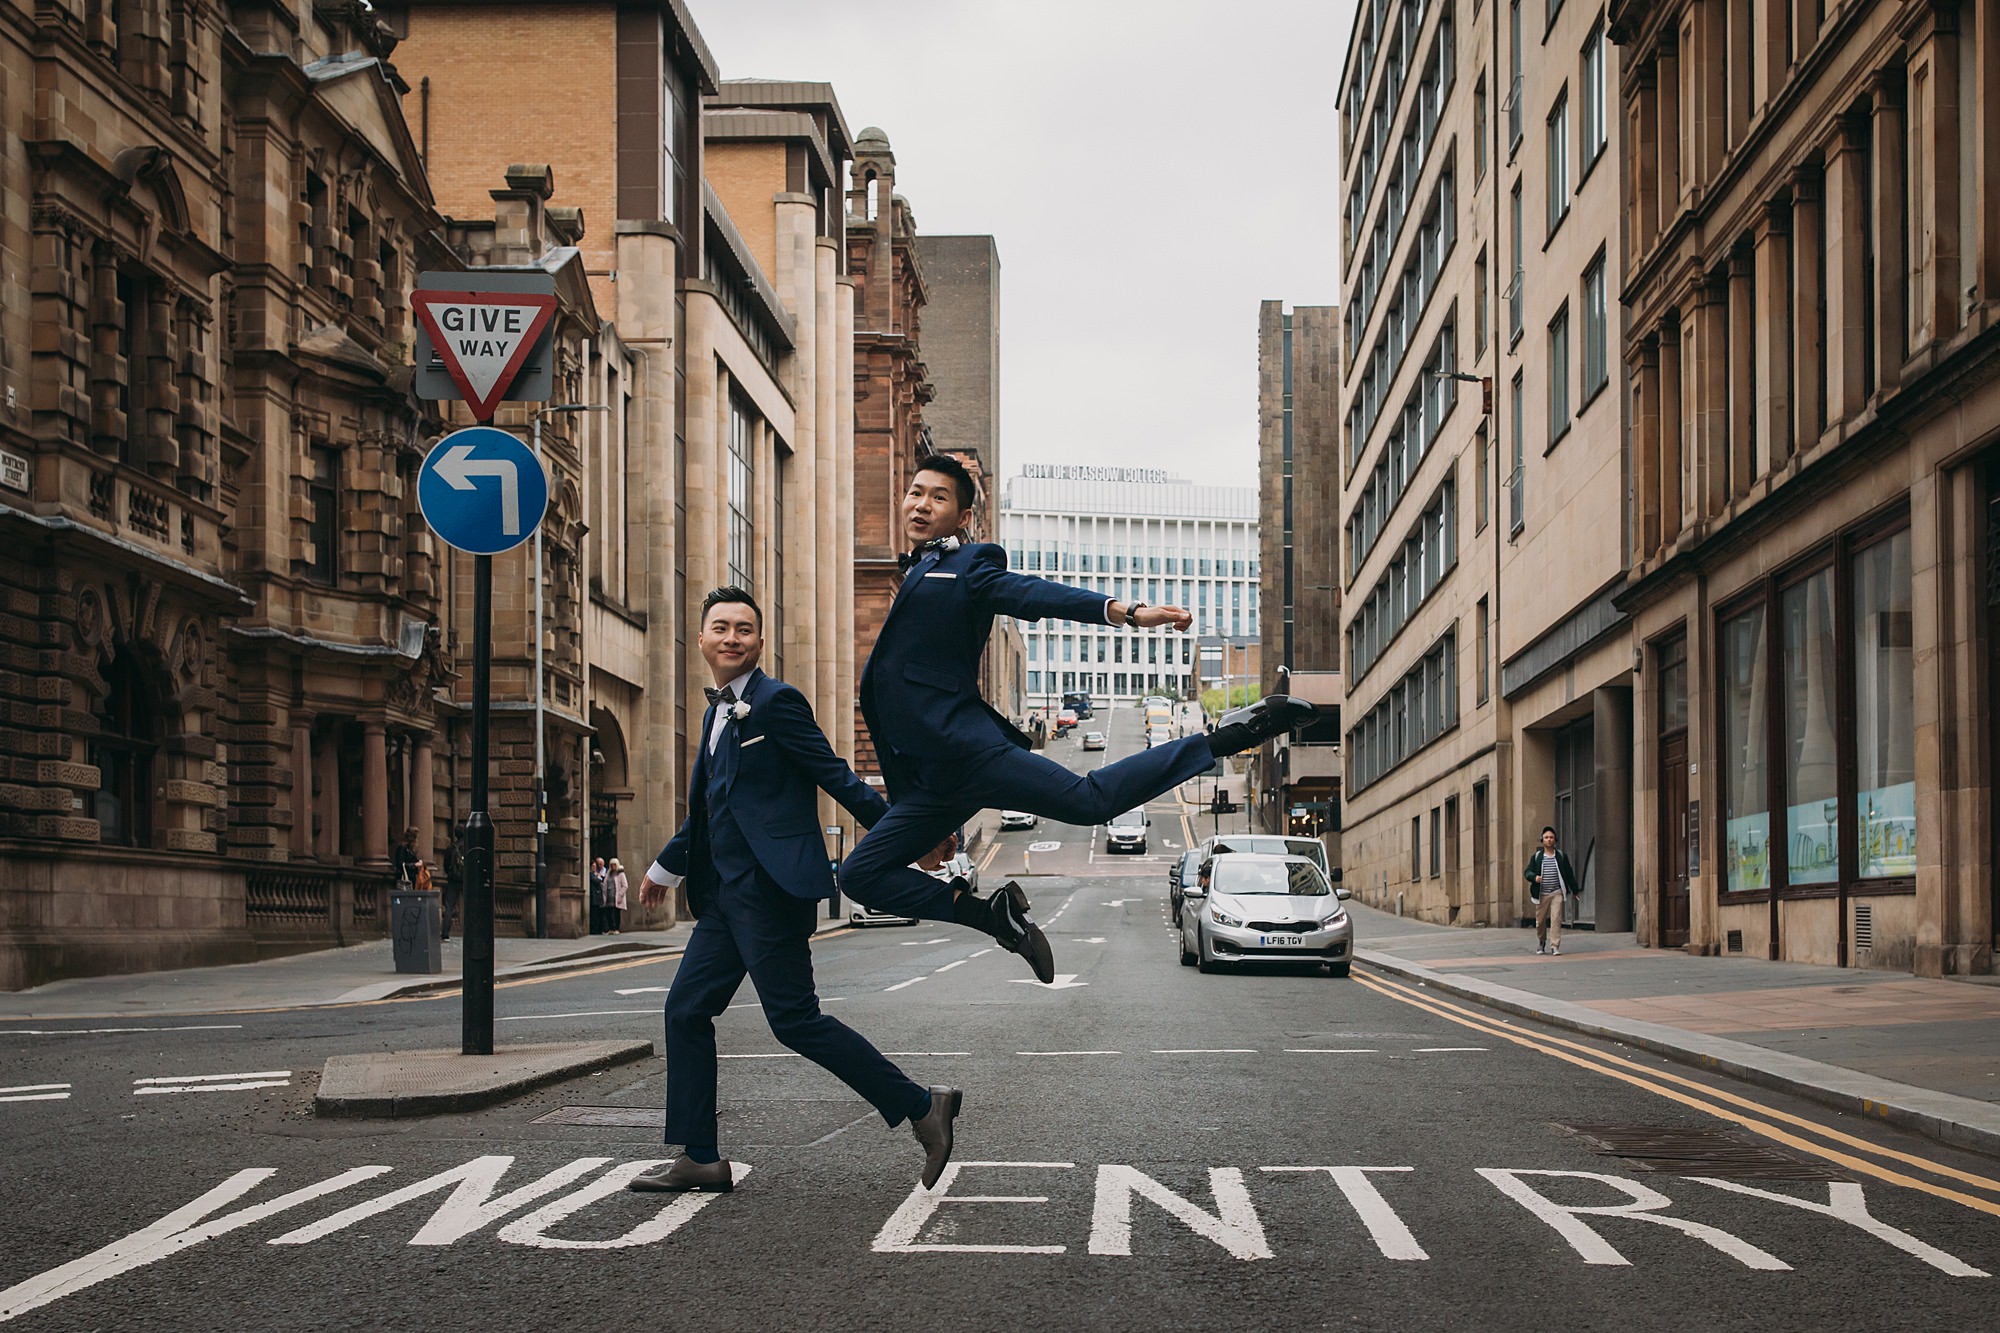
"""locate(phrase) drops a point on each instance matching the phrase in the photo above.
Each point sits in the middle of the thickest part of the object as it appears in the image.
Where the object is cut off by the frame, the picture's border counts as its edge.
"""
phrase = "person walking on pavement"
(1550, 878)
(599, 875)
(946, 753)
(614, 895)
(755, 867)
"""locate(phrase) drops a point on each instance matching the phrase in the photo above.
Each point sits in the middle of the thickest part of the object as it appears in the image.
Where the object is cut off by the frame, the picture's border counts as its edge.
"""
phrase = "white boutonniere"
(739, 710)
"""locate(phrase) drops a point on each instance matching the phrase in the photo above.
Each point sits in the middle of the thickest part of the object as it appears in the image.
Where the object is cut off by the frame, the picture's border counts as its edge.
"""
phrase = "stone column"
(1745, 462)
(423, 800)
(1808, 352)
(1648, 493)
(374, 794)
(1773, 319)
(1673, 437)
(1846, 274)
(1612, 745)
(1672, 149)
(816, 533)
(302, 791)
(1937, 264)
(1643, 187)
(1712, 444)
(1888, 198)
(796, 281)
(1985, 111)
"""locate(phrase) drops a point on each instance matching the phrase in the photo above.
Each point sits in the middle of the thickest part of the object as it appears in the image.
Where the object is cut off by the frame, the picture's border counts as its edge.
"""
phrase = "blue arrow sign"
(482, 490)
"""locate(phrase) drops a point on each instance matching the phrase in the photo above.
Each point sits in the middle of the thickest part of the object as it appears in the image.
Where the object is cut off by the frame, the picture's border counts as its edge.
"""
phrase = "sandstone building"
(1812, 261)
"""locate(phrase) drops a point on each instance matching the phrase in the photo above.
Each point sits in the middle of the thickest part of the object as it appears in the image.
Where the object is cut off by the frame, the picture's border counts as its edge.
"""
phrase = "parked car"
(1258, 908)
(1180, 875)
(959, 866)
(1010, 819)
(1127, 832)
(1093, 740)
(1065, 721)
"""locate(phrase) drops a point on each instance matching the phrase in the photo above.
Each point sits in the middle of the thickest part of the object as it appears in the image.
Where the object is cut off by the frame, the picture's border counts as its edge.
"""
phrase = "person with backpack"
(1550, 878)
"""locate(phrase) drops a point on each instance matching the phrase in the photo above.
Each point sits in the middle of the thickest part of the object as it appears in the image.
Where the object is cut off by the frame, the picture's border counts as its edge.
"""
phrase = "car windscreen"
(1299, 879)
(1130, 819)
(1266, 844)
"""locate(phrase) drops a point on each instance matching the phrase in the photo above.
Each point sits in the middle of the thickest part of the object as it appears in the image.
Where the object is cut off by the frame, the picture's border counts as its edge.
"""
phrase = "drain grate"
(603, 1117)
(1697, 1152)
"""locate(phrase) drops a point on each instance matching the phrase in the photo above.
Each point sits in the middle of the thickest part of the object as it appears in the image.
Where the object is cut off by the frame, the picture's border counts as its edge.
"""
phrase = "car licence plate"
(1281, 941)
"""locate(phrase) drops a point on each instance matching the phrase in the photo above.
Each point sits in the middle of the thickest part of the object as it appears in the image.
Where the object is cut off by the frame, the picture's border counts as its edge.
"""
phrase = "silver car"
(1279, 909)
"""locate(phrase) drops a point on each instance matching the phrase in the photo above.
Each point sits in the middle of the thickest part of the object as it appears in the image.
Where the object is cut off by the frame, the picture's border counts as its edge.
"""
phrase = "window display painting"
(1887, 820)
(1746, 852)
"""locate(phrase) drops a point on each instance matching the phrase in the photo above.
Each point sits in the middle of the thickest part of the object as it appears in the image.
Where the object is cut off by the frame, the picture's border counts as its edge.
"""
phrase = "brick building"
(891, 388)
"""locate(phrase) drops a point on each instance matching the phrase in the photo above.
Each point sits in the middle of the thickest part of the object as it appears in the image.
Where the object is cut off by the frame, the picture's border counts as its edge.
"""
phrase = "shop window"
(122, 752)
(1746, 797)
(1885, 801)
(1812, 760)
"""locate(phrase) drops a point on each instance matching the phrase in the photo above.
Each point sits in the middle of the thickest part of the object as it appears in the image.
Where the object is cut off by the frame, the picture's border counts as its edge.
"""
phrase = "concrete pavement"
(1921, 1054)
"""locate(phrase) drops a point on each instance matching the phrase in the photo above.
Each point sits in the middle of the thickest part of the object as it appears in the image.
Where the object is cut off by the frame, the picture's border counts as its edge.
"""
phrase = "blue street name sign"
(482, 490)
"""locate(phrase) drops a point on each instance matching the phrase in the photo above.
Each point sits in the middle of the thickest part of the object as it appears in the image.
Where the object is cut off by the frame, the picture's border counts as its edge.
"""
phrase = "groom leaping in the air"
(946, 754)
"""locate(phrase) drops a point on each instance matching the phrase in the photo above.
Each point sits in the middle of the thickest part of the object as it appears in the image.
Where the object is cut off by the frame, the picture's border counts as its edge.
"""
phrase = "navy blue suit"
(946, 754)
(756, 868)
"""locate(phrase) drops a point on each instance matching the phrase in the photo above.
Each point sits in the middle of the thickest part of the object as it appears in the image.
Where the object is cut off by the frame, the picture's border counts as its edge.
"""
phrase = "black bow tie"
(908, 558)
(718, 696)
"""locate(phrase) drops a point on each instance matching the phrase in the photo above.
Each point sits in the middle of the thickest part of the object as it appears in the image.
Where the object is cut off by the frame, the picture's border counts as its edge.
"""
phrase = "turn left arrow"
(457, 469)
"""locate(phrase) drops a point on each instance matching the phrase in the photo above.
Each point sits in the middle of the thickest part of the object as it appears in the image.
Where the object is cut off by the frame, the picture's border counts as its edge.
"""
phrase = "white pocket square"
(936, 575)
(754, 740)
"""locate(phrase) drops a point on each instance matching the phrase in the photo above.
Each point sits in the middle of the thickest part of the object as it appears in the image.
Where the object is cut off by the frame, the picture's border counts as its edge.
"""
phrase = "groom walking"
(946, 754)
(756, 869)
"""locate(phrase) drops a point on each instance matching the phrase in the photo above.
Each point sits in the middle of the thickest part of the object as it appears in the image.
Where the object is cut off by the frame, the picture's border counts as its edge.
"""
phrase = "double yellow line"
(1767, 1121)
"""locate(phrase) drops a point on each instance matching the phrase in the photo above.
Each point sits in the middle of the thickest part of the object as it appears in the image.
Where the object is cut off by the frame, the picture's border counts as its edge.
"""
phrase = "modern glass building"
(1136, 534)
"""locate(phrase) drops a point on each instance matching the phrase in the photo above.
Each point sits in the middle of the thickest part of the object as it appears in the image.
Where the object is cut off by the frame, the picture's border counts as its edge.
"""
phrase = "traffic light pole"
(476, 990)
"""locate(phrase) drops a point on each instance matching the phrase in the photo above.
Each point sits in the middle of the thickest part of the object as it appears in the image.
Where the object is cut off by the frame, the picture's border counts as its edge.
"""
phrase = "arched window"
(127, 739)
(874, 195)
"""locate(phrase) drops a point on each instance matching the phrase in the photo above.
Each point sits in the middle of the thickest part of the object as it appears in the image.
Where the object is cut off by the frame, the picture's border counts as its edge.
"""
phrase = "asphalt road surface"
(1142, 1147)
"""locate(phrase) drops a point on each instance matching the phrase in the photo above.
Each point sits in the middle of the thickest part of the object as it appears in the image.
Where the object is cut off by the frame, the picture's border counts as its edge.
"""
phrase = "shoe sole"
(1033, 945)
(639, 1185)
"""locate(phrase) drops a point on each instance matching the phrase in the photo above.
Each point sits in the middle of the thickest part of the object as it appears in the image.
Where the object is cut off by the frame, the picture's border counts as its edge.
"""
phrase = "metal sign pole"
(477, 986)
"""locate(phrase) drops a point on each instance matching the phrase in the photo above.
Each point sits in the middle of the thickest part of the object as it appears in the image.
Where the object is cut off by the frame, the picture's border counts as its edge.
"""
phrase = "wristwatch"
(1132, 615)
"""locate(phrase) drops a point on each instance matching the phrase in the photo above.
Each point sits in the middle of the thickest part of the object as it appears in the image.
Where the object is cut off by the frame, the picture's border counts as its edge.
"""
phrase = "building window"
(1596, 362)
(1558, 166)
(1515, 296)
(1885, 800)
(1514, 70)
(1417, 847)
(1479, 129)
(323, 529)
(1517, 479)
(1811, 759)
(1590, 94)
(1479, 305)
(1485, 649)
(1555, 8)
(1559, 375)
(122, 752)
(1746, 796)
(742, 530)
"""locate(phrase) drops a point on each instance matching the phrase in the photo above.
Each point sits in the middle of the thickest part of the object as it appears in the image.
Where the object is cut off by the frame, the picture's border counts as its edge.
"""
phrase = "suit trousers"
(878, 874)
(753, 927)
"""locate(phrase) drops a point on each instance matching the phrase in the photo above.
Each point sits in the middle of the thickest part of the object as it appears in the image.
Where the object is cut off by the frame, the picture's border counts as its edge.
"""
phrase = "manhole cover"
(1697, 1152)
(603, 1117)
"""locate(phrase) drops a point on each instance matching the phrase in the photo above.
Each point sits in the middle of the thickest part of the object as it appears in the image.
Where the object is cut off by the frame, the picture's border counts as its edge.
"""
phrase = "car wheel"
(1337, 969)
(1202, 960)
(1187, 955)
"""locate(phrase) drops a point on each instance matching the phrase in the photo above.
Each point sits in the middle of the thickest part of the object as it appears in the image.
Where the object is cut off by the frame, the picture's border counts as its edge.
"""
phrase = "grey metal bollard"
(416, 919)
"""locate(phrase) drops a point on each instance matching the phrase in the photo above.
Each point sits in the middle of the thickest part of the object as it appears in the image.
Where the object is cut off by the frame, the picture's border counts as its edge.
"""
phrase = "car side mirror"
(1336, 874)
(1343, 894)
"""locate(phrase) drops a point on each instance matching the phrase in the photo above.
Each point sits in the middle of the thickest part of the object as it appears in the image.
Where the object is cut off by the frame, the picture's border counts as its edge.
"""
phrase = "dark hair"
(945, 464)
(1548, 828)
(729, 592)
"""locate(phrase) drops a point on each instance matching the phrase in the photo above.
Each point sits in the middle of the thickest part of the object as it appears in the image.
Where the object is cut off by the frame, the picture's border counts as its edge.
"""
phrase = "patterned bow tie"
(718, 696)
(908, 558)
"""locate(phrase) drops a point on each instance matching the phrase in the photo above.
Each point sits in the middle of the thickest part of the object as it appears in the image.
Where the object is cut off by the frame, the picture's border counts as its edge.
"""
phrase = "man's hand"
(1151, 616)
(652, 893)
(939, 854)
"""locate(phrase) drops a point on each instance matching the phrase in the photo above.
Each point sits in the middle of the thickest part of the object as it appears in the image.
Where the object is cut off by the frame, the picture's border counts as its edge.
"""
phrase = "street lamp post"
(541, 771)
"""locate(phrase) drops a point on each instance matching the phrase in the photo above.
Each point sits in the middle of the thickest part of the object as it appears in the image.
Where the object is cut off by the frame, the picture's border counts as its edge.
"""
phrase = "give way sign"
(483, 338)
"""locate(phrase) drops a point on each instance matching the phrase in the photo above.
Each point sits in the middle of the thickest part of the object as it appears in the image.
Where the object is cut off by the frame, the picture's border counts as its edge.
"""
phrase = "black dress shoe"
(1009, 923)
(1243, 728)
(685, 1175)
(934, 1131)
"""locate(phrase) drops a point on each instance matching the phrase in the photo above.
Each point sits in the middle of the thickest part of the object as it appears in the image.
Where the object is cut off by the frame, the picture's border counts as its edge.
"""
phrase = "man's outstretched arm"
(1026, 597)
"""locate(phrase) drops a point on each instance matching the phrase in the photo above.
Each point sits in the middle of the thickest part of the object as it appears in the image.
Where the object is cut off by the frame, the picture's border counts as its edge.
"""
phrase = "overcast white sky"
(1151, 169)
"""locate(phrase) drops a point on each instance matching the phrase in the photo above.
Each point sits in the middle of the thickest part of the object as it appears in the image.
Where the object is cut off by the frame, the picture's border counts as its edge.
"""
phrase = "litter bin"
(416, 923)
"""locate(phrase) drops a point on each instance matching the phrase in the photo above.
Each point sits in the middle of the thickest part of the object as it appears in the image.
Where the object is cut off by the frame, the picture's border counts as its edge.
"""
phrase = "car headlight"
(1222, 918)
(1333, 918)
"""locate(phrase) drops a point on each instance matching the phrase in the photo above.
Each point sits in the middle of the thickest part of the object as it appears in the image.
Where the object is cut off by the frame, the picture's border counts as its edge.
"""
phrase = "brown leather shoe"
(685, 1175)
(934, 1131)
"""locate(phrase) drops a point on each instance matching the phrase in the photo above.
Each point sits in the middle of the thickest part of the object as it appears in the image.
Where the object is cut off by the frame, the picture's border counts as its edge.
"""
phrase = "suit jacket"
(920, 688)
(770, 764)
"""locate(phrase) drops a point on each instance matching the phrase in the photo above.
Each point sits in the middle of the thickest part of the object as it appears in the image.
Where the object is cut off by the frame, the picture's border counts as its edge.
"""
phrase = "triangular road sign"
(483, 338)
